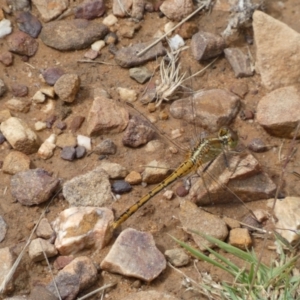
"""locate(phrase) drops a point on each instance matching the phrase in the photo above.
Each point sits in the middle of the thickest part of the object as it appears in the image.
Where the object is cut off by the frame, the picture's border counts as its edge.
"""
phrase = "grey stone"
(3, 229)
(38, 247)
(141, 74)
(177, 257)
(49, 12)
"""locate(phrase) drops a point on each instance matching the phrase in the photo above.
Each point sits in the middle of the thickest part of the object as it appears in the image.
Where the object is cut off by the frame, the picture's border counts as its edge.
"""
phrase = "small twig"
(95, 62)
(171, 30)
(97, 290)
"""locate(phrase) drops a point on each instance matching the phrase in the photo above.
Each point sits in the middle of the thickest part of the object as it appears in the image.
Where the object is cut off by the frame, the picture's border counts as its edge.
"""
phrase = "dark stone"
(111, 38)
(90, 10)
(106, 147)
(121, 187)
(51, 75)
(2, 138)
(75, 34)
(21, 43)
(29, 24)
(80, 151)
(257, 145)
(61, 125)
(6, 58)
(50, 121)
(76, 123)
(68, 153)
(19, 90)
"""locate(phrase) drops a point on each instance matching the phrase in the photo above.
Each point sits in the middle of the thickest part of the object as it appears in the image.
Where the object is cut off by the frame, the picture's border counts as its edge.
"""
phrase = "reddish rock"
(21, 43)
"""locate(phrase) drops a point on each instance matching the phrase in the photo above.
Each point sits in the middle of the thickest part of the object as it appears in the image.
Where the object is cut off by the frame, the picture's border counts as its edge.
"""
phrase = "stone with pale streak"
(79, 228)
(277, 51)
(134, 254)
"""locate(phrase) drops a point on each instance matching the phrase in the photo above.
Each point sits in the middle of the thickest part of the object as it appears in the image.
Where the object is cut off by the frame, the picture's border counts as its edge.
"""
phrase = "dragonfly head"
(228, 137)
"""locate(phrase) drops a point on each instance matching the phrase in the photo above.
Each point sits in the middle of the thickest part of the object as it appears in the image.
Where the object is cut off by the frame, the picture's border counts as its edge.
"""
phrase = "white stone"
(46, 150)
(176, 42)
(168, 26)
(78, 228)
(39, 97)
(48, 91)
(127, 94)
(98, 45)
(110, 20)
(84, 141)
(5, 28)
(49, 106)
(38, 247)
(6, 262)
(39, 125)
(19, 135)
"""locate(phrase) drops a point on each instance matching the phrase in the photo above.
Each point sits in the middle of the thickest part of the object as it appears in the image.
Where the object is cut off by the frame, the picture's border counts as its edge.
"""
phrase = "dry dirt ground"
(159, 216)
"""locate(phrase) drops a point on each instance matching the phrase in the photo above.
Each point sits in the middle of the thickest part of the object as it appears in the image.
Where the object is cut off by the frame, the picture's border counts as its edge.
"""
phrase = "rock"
(127, 31)
(239, 62)
(110, 20)
(137, 133)
(150, 295)
(90, 189)
(240, 238)
(240, 89)
(44, 229)
(19, 135)
(154, 145)
(48, 91)
(250, 222)
(127, 57)
(111, 38)
(6, 58)
(134, 254)
(40, 292)
(29, 24)
(19, 90)
(3, 229)
(106, 147)
(61, 261)
(67, 86)
(187, 30)
(38, 247)
(121, 7)
(113, 170)
(68, 153)
(257, 145)
(81, 34)
(177, 10)
(6, 262)
(137, 11)
(168, 194)
(176, 42)
(210, 109)
(141, 74)
(239, 178)
(78, 228)
(177, 257)
(192, 217)
(90, 9)
(78, 275)
(98, 45)
(5, 28)
(106, 116)
(33, 186)
(276, 42)
(287, 212)
(155, 172)
(39, 97)
(15, 162)
(46, 150)
(84, 141)
(246, 114)
(21, 43)
(66, 140)
(2, 88)
(39, 126)
(80, 152)
(76, 123)
(91, 54)
(51, 75)
(121, 187)
(205, 45)
(61, 125)
(133, 178)
(277, 112)
(19, 105)
(50, 11)
(127, 95)
(17, 5)
(4, 115)
(231, 223)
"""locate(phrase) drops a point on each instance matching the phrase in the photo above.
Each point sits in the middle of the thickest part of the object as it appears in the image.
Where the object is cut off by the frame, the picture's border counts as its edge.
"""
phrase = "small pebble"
(50, 121)
(168, 194)
(80, 151)
(110, 20)
(2, 138)
(90, 10)
(84, 141)
(61, 125)
(76, 123)
(6, 58)
(51, 75)
(38, 126)
(111, 38)
(98, 45)
(38, 97)
(106, 147)
(181, 191)
(68, 153)
(121, 187)
(257, 145)
(91, 54)
(29, 23)
(246, 114)
(19, 90)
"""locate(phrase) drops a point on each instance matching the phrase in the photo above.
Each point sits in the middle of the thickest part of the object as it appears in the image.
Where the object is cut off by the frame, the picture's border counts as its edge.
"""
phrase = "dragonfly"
(205, 151)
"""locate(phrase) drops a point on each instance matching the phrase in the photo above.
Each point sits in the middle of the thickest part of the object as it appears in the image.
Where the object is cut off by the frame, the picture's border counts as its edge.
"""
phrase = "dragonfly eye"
(228, 137)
